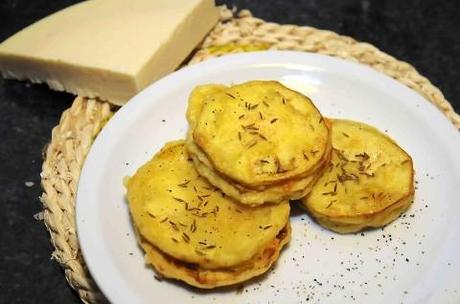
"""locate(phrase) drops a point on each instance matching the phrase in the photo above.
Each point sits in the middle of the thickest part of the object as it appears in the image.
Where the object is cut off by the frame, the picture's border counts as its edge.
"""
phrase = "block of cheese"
(109, 49)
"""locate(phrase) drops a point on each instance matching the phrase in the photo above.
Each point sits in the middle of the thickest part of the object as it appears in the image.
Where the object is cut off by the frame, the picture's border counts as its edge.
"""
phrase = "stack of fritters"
(193, 232)
(259, 142)
(213, 210)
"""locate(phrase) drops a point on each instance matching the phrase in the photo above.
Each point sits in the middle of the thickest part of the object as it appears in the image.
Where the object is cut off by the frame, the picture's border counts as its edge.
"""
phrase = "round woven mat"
(79, 125)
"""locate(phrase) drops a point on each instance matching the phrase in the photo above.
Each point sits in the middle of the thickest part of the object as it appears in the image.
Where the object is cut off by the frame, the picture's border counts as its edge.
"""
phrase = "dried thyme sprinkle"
(184, 184)
(261, 116)
(264, 161)
(331, 193)
(210, 247)
(241, 116)
(173, 225)
(314, 151)
(330, 204)
(341, 155)
(252, 144)
(164, 220)
(252, 107)
(202, 243)
(252, 128)
(185, 237)
(178, 199)
(345, 134)
(266, 104)
(230, 95)
(363, 155)
(284, 100)
(262, 136)
(335, 188)
(347, 176)
(247, 126)
(267, 227)
(363, 197)
(193, 226)
(175, 240)
(273, 120)
(305, 156)
(239, 136)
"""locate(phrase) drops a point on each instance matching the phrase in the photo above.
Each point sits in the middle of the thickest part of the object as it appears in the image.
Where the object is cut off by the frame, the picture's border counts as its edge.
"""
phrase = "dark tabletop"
(423, 33)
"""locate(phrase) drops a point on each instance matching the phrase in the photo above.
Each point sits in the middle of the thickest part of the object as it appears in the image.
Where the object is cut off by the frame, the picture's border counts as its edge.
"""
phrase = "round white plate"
(413, 260)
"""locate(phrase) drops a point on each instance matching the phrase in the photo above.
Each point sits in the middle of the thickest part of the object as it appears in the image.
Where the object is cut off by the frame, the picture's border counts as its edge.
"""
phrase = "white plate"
(413, 260)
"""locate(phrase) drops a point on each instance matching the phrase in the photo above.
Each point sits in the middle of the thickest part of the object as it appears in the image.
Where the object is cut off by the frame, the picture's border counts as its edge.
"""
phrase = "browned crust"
(368, 221)
(288, 191)
(192, 274)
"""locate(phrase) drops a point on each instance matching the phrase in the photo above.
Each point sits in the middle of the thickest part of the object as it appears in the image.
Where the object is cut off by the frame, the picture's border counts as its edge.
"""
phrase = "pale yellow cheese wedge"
(109, 49)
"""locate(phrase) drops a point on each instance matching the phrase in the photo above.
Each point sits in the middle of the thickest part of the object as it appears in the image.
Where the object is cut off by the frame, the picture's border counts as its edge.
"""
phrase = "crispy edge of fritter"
(193, 275)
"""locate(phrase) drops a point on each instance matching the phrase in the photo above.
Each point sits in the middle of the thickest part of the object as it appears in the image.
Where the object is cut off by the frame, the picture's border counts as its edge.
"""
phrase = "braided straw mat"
(79, 125)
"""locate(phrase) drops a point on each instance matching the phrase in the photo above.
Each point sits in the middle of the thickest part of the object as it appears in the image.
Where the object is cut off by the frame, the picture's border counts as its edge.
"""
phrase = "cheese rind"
(109, 49)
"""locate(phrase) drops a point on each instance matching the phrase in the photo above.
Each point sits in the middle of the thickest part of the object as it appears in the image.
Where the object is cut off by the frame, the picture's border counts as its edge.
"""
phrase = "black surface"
(423, 33)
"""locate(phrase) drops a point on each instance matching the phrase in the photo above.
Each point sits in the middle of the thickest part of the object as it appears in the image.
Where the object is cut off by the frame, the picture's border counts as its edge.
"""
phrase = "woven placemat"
(79, 125)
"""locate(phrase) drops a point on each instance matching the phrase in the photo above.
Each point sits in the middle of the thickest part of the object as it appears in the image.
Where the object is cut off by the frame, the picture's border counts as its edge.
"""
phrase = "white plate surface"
(413, 260)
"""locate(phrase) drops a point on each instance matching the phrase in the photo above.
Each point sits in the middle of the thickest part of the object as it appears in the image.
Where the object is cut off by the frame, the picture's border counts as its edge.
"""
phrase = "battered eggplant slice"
(369, 182)
(257, 136)
(183, 220)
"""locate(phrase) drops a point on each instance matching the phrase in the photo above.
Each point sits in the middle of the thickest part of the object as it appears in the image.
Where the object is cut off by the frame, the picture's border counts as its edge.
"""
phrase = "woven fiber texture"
(79, 125)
